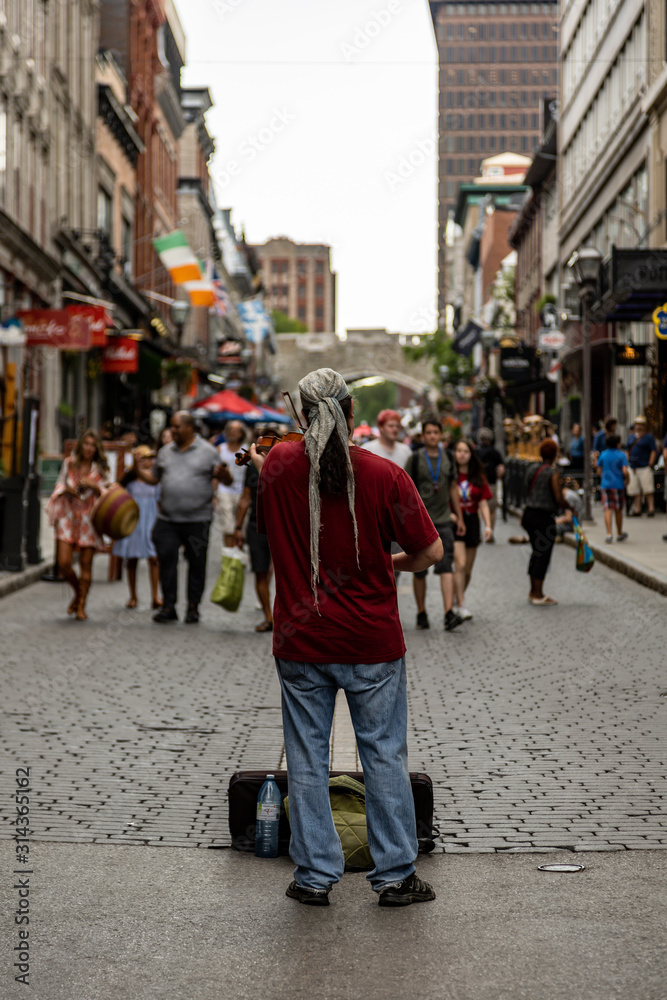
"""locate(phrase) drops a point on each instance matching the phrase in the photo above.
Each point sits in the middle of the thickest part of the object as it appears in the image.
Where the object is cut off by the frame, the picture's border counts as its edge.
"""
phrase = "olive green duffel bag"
(348, 805)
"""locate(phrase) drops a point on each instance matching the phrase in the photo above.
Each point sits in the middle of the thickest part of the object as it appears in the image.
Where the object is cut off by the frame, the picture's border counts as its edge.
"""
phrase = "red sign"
(99, 320)
(121, 354)
(55, 328)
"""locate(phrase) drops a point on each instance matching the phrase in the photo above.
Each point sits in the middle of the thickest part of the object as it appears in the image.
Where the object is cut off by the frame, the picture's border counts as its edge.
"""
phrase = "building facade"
(608, 172)
(299, 282)
(497, 63)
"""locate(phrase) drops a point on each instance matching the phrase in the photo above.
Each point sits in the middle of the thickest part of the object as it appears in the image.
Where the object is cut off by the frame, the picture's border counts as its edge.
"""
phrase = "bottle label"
(268, 811)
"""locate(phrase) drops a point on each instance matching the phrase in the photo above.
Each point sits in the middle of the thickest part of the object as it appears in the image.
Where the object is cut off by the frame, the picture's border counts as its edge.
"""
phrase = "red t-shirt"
(358, 619)
(471, 495)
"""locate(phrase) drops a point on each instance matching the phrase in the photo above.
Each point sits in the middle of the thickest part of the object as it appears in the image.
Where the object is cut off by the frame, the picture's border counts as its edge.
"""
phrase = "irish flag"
(184, 268)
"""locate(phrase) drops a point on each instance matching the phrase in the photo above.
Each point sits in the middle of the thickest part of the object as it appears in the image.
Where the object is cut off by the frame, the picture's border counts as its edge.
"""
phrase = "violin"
(265, 443)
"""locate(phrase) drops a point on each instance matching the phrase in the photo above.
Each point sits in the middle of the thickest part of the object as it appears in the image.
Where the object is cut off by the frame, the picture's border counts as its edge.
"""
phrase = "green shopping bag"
(228, 589)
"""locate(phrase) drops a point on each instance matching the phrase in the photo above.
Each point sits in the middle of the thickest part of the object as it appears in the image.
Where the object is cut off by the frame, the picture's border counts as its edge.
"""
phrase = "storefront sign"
(630, 354)
(516, 364)
(55, 328)
(551, 340)
(121, 354)
(99, 320)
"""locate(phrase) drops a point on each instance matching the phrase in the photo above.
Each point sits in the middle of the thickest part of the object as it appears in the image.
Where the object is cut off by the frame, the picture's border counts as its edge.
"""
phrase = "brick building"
(299, 282)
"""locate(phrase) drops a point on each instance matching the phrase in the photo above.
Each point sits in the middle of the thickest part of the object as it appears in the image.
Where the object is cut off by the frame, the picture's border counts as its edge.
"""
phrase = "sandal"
(264, 627)
(132, 603)
(544, 601)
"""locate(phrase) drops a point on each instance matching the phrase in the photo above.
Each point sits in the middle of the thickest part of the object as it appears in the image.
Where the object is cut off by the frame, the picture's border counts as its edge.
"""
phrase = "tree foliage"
(369, 400)
(285, 324)
(438, 349)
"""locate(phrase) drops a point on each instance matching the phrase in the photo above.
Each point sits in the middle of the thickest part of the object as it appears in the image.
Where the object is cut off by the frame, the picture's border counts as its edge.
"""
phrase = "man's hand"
(238, 538)
(257, 459)
(223, 475)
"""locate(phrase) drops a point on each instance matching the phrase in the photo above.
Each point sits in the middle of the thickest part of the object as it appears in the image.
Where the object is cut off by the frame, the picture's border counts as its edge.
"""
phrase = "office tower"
(497, 63)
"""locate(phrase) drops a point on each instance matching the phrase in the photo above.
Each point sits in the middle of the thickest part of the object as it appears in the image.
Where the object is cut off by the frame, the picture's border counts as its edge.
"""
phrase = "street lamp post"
(585, 265)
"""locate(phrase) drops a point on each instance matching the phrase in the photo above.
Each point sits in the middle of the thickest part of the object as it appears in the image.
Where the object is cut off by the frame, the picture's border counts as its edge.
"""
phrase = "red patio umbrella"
(229, 402)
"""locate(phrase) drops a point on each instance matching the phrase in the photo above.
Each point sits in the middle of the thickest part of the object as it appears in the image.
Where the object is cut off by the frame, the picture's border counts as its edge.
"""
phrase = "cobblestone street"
(542, 728)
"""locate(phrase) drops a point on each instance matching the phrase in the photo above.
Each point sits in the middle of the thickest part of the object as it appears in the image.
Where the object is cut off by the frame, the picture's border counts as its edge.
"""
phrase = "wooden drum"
(115, 513)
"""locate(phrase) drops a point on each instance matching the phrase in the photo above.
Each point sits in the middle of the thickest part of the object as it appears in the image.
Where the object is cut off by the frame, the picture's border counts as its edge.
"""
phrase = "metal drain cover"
(560, 868)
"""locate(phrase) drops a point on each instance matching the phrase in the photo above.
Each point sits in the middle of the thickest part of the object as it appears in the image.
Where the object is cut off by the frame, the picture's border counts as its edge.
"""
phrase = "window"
(319, 267)
(126, 244)
(319, 312)
(302, 266)
(319, 290)
(104, 211)
(471, 143)
(302, 313)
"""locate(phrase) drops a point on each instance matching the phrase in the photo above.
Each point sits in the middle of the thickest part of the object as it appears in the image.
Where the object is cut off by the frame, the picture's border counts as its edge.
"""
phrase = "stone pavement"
(542, 728)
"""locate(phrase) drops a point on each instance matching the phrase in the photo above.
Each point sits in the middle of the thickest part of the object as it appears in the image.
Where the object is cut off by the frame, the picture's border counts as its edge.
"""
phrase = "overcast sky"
(324, 122)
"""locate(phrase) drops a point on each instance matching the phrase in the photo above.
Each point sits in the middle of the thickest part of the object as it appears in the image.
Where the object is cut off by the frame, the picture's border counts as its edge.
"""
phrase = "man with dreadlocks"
(331, 512)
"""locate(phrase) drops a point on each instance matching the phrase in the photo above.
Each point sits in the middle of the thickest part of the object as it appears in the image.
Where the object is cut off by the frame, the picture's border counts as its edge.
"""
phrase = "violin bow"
(291, 407)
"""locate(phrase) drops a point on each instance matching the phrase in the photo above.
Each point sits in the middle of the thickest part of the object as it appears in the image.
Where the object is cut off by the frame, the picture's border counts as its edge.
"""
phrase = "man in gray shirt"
(185, 470)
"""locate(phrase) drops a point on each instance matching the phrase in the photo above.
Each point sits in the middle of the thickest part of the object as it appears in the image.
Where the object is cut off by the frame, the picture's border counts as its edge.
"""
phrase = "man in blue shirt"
(613, 468)
(642, 452)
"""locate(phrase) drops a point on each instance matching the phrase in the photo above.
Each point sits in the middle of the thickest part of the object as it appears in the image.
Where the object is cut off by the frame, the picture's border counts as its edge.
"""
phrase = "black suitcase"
(244, 788)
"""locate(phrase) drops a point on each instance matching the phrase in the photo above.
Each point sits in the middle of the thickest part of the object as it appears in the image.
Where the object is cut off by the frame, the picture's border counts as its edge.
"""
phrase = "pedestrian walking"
(544, 497)
(576, 449)
(258, 545)
(600, 439)
(612, 467)
(494, 469)
(432, 471)
(642, 451)
(331, 512)
(185, 470)
(83, 476)
(387, 444)
(228, 496)
(139, 545)
(474, 494)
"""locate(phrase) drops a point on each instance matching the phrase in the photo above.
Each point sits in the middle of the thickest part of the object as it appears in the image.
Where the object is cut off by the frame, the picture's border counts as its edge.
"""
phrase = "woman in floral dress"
(83, 477)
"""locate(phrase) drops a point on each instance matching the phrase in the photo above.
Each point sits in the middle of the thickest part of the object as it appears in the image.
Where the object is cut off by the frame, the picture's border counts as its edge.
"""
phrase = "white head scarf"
(321, 392)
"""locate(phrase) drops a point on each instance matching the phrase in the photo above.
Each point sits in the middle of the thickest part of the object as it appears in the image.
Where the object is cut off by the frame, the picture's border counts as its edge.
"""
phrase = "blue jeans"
(376, 696)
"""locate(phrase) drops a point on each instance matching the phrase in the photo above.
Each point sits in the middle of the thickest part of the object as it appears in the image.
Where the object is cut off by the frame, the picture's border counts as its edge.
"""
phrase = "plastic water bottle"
(268, 819)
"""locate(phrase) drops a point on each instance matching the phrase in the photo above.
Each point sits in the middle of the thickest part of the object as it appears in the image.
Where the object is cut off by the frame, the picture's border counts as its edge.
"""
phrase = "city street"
(543, 730)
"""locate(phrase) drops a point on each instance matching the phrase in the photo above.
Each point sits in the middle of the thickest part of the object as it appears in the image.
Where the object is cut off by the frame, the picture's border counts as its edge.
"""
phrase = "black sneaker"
(410, 890)
(192, 617)
(311, 897)
(452, 621)
(422, 620)
(165, 615)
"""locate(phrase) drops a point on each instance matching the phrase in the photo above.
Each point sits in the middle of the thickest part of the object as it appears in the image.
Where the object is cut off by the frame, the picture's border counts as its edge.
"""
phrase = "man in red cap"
(388, 445)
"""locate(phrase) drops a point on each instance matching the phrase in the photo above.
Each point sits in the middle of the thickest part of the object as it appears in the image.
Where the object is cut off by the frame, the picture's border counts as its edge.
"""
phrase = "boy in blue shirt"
(613, 468)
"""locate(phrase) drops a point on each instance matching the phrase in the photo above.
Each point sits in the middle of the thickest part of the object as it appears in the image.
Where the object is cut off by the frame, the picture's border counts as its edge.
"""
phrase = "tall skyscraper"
(497, 63)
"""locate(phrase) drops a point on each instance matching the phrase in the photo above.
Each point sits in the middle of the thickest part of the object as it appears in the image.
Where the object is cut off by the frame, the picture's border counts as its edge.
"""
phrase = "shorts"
(258, 546)
(226, 505)
(446, 532)
(641, 481)
(472, 538)
(612, 499)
